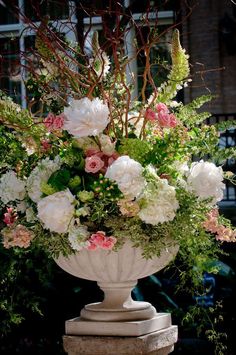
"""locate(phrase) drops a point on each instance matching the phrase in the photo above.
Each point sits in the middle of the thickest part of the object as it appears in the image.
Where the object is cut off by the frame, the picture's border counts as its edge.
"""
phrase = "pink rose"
(173, 121)
(107, 159)
(163, 119)
(48, 121)
(91, 246)
(162, 107)
(46, 146)
(93, 164)
(109, 243)
(53, 122)
(100, 240)
(59, 121)
(91, 151)
(166, 120)
(150, 115)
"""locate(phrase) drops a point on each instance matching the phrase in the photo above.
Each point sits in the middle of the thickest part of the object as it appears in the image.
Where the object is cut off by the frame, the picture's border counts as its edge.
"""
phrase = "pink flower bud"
(10, 216)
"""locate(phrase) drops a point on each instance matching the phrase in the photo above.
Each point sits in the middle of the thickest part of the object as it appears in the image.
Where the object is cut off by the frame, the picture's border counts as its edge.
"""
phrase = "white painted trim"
(163, 16)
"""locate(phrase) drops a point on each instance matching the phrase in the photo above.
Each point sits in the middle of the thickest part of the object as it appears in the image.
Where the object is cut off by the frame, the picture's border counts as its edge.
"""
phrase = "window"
(134, 38)
(17, 38)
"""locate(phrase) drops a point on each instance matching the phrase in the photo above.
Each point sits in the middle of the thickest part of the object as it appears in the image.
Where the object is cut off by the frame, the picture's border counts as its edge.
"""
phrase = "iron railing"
(227, 139)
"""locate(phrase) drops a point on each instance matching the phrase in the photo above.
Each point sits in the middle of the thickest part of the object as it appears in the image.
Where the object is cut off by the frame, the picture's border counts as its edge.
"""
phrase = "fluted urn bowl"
(116, 273)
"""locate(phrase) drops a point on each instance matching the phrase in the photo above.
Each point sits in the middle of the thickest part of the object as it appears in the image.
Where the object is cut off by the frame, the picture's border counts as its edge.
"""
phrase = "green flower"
(74, 183)
(85, 196)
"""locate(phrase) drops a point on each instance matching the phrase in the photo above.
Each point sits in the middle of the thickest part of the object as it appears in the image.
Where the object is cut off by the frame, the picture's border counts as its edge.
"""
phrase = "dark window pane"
(10, 74)
(55, 9)
(159, 57)
(136, 7)
(6, 13)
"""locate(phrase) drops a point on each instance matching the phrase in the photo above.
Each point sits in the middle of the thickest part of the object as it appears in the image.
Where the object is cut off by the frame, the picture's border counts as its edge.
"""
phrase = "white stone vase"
(116, 273)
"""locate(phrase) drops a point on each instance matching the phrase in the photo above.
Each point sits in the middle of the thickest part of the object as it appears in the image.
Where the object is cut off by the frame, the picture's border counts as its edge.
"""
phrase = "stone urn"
(116, 273)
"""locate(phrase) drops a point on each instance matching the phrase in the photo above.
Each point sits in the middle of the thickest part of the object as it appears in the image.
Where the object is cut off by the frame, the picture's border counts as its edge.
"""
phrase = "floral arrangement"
(100, 167)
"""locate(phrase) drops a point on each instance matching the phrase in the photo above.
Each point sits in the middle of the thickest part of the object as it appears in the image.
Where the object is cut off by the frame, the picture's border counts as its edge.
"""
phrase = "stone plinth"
(157, 343)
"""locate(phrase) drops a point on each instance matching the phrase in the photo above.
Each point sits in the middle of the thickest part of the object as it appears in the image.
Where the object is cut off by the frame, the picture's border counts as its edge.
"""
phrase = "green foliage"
(225, 125)
(106, 189)
(72, 156)
(12, 116)
(60, 179)
(135, 148)
(166, 151)
(16, 154)
(18, 294)
(188, 115)
(53, 243)
(206, 321)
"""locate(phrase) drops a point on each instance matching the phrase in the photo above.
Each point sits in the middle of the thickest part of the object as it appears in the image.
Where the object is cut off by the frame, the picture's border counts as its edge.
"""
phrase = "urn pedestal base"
(80, 326)
(160, 342)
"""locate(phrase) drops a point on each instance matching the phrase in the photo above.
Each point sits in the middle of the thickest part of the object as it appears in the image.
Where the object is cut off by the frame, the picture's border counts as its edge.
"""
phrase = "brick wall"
(212, 49)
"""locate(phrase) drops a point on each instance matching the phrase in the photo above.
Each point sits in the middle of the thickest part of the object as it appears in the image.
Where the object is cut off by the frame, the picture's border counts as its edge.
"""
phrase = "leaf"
(137, 293)
(60, 179)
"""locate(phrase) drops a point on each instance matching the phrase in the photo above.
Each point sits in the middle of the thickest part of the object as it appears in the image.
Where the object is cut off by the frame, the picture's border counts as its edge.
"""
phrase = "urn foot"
(118, 304)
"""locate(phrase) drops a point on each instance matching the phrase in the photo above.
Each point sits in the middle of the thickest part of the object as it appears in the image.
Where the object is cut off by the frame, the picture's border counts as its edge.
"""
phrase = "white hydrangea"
(158, 203)
(78, 236)
(56, 211)
(86, 117)
(11, 188)
(41, 173)
(127, 173)
(30, 215)
(21, 206)
(205, 180)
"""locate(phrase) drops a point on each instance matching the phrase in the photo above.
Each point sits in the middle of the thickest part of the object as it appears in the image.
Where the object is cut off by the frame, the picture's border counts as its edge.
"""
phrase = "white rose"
(159, 203)
(11, 188)
(56, 211)
(205, 180)
(127, 173)
(85, 117)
